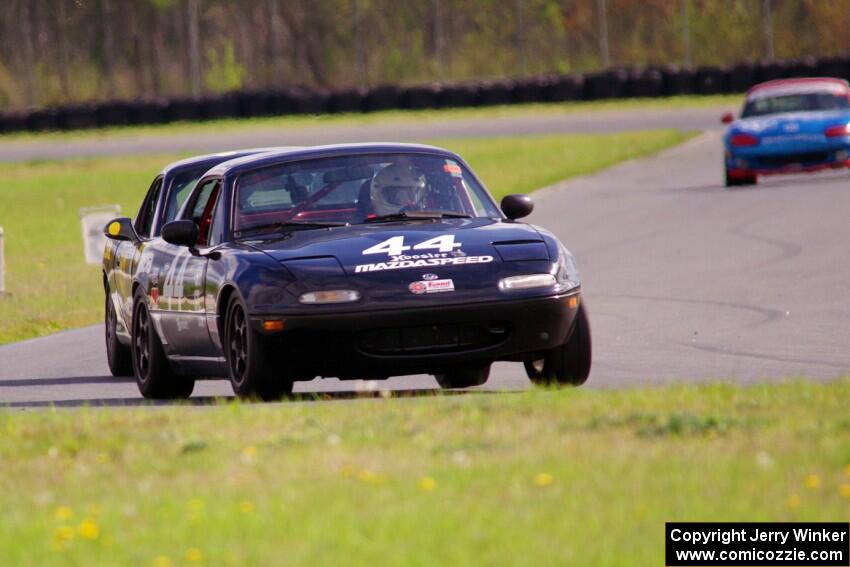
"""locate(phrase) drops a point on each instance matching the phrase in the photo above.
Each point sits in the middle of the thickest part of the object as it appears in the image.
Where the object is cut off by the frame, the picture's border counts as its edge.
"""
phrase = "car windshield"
(794, 103)
(359, 189)
(181, 186)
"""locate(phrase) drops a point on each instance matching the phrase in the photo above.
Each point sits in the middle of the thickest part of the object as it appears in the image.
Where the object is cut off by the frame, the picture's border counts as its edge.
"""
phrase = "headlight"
(526, 282)
(331, 296)
(567, 274)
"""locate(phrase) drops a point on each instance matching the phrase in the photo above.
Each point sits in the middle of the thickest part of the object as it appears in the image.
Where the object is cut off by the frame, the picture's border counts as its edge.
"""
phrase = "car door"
(127, 253)
(184, 316)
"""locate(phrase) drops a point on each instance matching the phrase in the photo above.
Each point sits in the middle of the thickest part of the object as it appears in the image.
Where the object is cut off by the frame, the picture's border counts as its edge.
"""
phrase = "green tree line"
(59, 51)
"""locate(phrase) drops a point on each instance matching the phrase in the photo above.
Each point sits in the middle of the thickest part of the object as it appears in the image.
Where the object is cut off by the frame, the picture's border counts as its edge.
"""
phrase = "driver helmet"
(396, 188)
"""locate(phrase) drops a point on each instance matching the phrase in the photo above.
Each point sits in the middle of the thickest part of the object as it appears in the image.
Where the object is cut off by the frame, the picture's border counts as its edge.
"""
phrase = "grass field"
(51, 288)
(544, 477)
(386, 116)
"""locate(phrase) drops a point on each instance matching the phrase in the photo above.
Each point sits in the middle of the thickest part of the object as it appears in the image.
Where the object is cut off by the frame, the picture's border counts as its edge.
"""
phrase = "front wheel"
(464, 376)
(118, 356)
(154, 375)
(569, 363)
(251, 374)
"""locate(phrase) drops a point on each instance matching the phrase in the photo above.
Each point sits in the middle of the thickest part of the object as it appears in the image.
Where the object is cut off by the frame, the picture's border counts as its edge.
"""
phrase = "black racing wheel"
(154, 375)
(251, 374)
(118, 356)
(567, 364)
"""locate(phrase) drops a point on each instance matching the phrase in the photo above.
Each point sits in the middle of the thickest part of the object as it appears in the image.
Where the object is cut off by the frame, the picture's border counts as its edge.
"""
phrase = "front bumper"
(379, 344)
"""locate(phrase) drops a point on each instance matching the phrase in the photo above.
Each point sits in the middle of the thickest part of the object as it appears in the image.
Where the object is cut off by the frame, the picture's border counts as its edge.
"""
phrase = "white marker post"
(2, 266)
(92, 220)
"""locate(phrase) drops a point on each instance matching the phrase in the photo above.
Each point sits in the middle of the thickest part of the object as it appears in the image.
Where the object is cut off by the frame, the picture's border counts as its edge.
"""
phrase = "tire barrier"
(348, 100)
(385, 97)
(710, 80)
(420, 97)
(742, 76)
(224, 106)
(649, 82)
(150, 111)
(566, 87)
(493, 93)
(676, 81)
(604, 84)
(456, 95)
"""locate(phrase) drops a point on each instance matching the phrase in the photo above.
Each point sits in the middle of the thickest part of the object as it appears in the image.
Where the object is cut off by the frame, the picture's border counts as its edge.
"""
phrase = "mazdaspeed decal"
(443, 260)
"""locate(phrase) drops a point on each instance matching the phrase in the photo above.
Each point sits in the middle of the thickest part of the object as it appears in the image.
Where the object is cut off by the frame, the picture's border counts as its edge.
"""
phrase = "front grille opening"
(434, 339)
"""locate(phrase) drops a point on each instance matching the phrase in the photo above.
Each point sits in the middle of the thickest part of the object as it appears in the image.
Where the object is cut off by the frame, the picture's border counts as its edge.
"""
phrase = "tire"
(464, 377)
(568, 364)
(249, 368)
(739, 181)
(118, 356)
(153, 372)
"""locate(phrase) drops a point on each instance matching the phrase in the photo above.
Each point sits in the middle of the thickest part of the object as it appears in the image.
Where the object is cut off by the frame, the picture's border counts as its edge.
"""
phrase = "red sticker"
(451, 168)
(154, 294)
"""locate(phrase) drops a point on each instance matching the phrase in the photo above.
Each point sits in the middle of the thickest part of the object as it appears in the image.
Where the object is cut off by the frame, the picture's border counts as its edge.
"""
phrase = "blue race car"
(789, 126)
(354, 261)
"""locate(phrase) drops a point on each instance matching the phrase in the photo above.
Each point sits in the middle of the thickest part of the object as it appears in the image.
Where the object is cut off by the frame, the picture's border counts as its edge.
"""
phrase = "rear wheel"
(464, 376)
(251, 374)
(118, 356)
(569, 363)
(154, 375)
(737, 181)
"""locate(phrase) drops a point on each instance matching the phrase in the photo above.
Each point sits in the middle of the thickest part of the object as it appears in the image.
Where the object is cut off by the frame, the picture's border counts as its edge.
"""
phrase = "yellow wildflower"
(794, 501)
(844, 490)
(63, 534)
(543, 479)
(194, 555)
(88, 529)
(63, 513)
(196, 505)
(812, 481)
(427, 484)
(161, 561)
(246, 507)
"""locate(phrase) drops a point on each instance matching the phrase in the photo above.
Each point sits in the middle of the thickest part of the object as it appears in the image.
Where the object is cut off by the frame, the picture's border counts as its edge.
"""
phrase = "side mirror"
(727, 118)
(181, 232)
(121, 229)
(517, 206)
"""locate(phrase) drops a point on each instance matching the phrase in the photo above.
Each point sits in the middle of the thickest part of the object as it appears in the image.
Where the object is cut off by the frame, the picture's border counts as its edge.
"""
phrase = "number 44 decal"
(395, 246)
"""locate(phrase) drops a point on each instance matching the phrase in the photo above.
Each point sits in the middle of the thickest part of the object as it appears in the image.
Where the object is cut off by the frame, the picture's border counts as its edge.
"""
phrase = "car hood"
(382, 261)
(813, 122)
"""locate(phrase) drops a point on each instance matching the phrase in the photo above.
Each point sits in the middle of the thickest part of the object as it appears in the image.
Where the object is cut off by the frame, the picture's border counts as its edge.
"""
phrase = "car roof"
(218, 157)
(798, 86)
(284, 155)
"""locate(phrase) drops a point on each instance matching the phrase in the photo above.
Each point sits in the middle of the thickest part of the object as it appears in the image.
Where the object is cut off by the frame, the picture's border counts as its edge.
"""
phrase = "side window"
(202, 209)
(201, 199)
(144, 219)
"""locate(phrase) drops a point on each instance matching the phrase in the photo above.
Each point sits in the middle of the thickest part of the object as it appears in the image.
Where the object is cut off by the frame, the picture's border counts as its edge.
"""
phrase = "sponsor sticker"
(431, 286)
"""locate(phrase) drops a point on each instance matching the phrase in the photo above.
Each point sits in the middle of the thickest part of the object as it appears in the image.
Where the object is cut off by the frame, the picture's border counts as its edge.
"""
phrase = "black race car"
(355, 261)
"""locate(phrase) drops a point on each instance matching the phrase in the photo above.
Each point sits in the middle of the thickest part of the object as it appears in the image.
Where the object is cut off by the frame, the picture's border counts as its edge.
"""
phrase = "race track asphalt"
(690, 119)
(685, 281)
